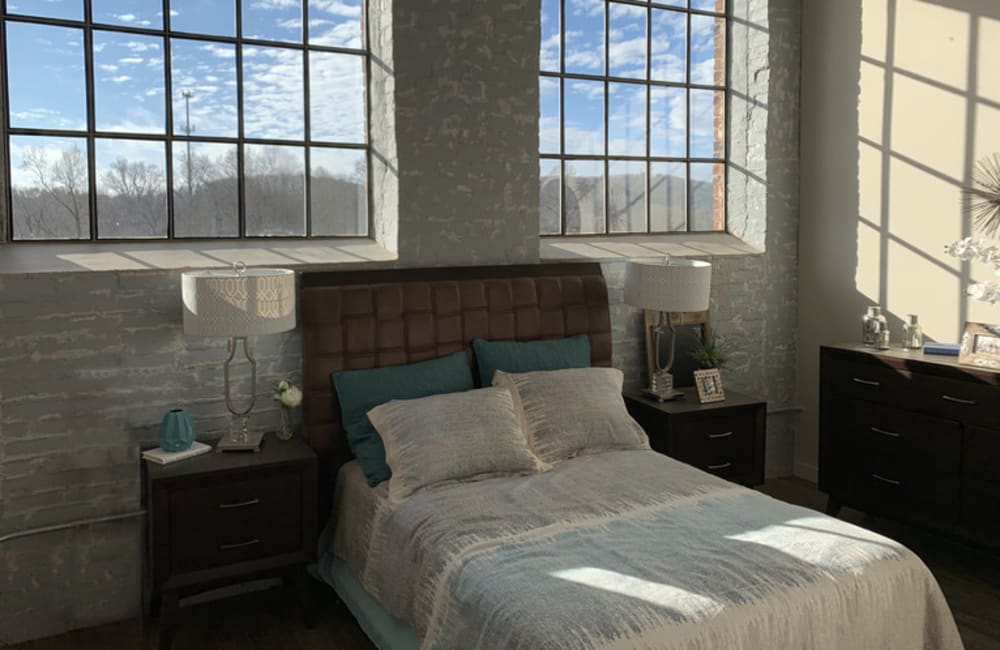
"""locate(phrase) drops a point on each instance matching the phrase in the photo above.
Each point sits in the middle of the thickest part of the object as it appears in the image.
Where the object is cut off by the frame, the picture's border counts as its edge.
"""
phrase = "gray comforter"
(634, 550)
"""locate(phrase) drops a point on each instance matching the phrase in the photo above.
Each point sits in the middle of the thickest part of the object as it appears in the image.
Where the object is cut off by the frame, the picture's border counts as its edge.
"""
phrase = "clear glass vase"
(285, 427)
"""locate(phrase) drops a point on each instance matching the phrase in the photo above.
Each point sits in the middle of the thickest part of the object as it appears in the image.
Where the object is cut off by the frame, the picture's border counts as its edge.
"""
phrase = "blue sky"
(47, 90)
(628, 32)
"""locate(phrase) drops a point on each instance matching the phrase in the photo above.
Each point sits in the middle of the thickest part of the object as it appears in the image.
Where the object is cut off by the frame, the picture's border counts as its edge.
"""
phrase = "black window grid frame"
(648, 83)
(88, 26)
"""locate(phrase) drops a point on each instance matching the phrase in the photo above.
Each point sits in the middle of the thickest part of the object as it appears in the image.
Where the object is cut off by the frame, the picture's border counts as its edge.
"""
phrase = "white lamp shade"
(668, 285)
(238, 303)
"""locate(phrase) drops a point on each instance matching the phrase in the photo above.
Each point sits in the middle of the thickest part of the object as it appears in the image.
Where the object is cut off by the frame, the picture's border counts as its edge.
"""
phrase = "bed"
(620, 549)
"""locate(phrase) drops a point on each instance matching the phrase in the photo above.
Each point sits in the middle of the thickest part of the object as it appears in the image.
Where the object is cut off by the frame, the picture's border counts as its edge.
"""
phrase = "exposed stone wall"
(89, 362)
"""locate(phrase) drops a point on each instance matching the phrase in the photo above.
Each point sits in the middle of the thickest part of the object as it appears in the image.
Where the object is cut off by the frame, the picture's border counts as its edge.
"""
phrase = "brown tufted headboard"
(367, 319)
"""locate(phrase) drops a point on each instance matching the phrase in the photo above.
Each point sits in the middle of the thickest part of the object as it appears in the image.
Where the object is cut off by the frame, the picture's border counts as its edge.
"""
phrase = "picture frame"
(709, 385)
(980, 346)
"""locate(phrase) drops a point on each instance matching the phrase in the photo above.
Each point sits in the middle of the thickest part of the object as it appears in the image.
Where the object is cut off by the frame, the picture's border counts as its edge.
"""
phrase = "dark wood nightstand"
(724, 438)
(218, 519)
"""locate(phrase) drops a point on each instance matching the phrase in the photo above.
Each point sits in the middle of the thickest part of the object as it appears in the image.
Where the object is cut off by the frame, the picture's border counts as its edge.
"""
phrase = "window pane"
(627, 41)
(585, 36)
(584, 117)
(337, 97)
(206, 193)
(273, 93)
(274, 177)
(272, 20)
(128, 83)
(335, 23)
(134, 13)
(669, 46)
(548, 120)
(549, 55)
(708, 202)
(339, 200)
(708, 50)
(584, 197)
(49, 188)
(627, 196)
(67, 9)
(216, 17)
(667, 196)
(673, 3)
(131, 189)
(204, 86)
(55, 54)
(549, 199)
(708, 119)
(668, 122)
(627, 119)
(718, 6)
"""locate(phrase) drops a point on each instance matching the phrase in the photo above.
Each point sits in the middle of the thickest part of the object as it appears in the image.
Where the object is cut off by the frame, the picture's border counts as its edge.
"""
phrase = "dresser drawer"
(903, 457)
(981, 506)
(217, 525)
(966, 401)
(982, 456)
(873, 382)
(723, 445)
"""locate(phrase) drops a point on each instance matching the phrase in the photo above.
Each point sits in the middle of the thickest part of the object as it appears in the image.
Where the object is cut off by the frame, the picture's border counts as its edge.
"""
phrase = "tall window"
(632, 117)
(172, 119)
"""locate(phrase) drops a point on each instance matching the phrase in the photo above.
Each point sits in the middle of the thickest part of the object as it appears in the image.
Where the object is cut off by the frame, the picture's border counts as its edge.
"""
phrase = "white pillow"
(452, 437)
(573, 411)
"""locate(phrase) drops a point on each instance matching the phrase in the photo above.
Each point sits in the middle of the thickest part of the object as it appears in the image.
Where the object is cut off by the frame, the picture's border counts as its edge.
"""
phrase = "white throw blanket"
(631, 549)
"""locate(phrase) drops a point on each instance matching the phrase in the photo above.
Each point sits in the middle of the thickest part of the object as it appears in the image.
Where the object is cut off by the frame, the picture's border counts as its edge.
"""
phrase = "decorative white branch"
(984, 251)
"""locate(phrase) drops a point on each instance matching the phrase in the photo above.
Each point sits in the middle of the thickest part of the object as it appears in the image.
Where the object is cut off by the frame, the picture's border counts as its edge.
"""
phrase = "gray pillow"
(453, 437)
(573, 411)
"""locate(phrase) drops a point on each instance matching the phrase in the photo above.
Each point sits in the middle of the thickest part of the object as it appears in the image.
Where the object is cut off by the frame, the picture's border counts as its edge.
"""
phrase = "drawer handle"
(720, 435)
(720, 466)
(249, 542)
(957, 400)
(891, 434)
(866, 382)
(886, 480)
(241, 504)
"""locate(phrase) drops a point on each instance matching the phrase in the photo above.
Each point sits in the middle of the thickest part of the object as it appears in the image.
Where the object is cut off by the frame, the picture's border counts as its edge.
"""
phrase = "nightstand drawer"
(722, 445)
(216, 525)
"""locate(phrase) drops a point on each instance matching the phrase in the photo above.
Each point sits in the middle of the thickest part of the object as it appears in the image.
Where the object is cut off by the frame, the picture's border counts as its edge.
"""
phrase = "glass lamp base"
(661, 386)
(240, 438)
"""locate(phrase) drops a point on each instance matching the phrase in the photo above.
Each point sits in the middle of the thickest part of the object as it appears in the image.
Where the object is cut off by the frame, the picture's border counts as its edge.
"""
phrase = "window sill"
(616, 248)
(16, 259)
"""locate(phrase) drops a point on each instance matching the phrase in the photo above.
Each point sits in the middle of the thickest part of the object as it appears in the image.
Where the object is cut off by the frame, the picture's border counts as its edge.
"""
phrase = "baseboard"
(807, 471)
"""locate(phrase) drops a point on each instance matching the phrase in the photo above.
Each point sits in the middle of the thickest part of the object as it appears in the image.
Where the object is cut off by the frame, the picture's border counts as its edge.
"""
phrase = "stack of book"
(163, 457)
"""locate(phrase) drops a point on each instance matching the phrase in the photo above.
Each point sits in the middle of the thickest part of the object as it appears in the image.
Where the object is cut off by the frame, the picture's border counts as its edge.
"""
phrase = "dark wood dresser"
(221, 518)
(912, 436)
(723, 438)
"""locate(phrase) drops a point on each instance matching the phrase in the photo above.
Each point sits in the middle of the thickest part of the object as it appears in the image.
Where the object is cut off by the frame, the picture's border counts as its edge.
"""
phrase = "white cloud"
(131, 60)
(108, 67)
(126, 18)
(120, 79)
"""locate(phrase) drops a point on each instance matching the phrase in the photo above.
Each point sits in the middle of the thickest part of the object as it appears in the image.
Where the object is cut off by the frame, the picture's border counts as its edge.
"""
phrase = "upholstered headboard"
(367, 319)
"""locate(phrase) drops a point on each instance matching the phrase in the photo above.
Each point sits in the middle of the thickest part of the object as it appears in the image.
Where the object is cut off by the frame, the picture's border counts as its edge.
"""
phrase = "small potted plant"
(288, 396)
(709, 353)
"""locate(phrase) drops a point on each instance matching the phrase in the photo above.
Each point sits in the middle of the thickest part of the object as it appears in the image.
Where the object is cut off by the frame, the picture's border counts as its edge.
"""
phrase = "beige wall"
(900, 98)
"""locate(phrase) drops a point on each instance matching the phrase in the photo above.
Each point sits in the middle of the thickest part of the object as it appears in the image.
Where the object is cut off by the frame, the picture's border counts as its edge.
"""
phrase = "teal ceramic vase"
(176, 430)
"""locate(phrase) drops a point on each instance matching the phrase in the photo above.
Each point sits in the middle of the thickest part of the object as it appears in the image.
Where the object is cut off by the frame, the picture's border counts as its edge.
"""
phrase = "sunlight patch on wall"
(870, 183)
(874, 28)
(988, 81)
(988, 124)
(933, 41)
(919, 286)
(867, 277)
(871, 102)
(928, 125)
(924, 210)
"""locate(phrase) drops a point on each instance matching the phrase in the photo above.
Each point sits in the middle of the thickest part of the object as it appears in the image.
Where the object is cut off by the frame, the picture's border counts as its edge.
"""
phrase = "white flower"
(283, 385)
(291, 397)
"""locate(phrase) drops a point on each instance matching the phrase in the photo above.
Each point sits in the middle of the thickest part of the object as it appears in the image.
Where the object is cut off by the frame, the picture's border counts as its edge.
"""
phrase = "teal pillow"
(512, 356)
(362, 390)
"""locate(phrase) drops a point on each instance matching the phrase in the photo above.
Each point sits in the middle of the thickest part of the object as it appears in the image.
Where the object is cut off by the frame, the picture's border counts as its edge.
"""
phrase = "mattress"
(632, 549)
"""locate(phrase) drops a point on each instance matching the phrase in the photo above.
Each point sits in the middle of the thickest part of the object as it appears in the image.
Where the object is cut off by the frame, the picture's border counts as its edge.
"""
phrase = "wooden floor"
(270, 620)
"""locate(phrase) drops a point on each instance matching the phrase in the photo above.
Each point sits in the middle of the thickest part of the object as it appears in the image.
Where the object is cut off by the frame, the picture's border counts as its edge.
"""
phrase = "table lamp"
(665, 286)
(236, 304)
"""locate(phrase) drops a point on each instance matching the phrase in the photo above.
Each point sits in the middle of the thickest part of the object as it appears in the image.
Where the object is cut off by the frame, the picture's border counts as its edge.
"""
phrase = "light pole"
(188, 129)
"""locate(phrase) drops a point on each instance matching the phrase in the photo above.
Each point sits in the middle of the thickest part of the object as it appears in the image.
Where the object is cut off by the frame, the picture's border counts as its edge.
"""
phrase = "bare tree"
(137, 193)
(64, 183)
